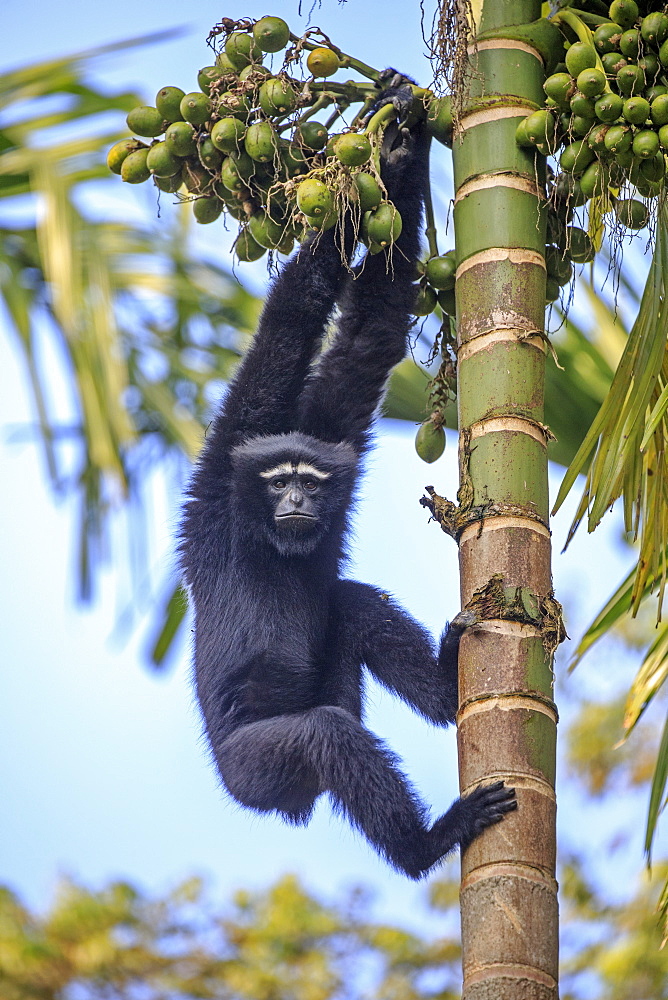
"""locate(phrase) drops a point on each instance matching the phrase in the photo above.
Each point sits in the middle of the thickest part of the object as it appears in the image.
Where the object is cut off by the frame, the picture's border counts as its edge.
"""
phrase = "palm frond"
(142, 326)
(623, 453)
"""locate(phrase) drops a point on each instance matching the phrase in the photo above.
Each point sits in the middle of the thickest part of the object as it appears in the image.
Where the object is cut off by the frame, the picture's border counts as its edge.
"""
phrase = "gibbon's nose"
(296, 498)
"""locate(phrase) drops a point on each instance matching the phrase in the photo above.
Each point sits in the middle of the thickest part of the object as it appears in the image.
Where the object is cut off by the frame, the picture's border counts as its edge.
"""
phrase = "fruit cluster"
(606, 119)
(437, 285)
(248, 142)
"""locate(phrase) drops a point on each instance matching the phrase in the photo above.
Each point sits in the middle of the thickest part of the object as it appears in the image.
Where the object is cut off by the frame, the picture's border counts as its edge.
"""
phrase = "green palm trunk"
(507, 719)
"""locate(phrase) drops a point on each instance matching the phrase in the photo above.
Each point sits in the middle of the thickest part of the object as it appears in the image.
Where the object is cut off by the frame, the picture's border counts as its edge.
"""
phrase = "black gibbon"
(280, 638)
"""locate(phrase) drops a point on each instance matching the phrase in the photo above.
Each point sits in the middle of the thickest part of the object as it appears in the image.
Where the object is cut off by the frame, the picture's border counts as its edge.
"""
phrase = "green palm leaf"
(623, 451)
(140, 324)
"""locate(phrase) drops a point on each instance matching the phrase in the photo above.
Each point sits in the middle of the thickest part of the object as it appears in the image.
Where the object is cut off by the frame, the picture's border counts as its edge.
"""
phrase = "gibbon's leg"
(284, 762)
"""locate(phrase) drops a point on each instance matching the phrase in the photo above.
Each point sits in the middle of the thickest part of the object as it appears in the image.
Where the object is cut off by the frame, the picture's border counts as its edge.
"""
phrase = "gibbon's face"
(298, 493)
(292, 490)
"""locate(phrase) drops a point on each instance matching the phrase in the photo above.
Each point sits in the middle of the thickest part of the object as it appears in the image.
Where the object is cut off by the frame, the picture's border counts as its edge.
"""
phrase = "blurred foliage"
(611, 950)
(137, 326)
(282, 943)
(601, 757)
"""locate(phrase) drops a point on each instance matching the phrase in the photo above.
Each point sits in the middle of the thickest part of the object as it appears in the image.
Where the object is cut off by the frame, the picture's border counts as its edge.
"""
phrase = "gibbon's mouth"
(298, 521)
(296, 516)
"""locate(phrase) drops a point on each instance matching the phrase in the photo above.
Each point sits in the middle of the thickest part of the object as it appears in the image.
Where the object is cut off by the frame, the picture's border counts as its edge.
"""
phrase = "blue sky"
(102, 769)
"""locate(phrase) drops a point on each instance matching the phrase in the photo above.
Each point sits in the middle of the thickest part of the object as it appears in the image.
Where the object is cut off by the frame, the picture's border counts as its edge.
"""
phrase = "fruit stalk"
(346, 61)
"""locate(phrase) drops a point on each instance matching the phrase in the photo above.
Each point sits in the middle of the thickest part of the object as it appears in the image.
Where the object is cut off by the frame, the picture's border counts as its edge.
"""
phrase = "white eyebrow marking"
(304, 469)
(292, 469)
(285, 469)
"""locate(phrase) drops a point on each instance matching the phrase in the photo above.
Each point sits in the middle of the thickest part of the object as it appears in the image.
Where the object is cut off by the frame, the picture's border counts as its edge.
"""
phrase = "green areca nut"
(558, 266)
(369, 191)
(593, 181)
(629, 43)
(384, 226)
(656, 90)
(293, 159)
(540, 127)
(591, 82)
(583, 105)
(624, 12)
(352, 149)
(169, 184)
(207, 210)
(146, 121)
(224, 65)
(521, 137)
(659, 110)
(618, 139)
(161, 161)
(134, 169)
(429, 440)
(630, 80)
(168, 102)
(195, 108)
(440, 272)
(609, 107)
(632, 213)
(559, 87)
(237, 105)
(227, 134)
(425, 301)
(266, 231)
(636, 110)
(261, 142)
(606, 37)
(314, 198)
(653, 168)
(613, 62)
(596, 139)
(580, 56)
(579, 126)
(645, 144)
(576, 157)
(311, 134)
(207, 76)
(209, 155)
(271, 33)
(277, 96)
(242, 49)
(580, 245)
(118, 153)
(180, 139)
(654, 28)
(247, 248)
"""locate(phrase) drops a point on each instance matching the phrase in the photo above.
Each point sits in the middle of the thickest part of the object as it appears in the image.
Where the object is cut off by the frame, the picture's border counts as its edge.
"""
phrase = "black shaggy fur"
(280, 639)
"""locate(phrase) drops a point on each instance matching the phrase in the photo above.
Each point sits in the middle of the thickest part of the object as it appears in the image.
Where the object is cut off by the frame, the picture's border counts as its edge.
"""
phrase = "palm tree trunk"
(507, 718)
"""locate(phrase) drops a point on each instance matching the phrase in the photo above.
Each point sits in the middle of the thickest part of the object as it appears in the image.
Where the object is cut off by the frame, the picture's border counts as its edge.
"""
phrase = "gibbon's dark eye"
(279, 484)
(310, 485)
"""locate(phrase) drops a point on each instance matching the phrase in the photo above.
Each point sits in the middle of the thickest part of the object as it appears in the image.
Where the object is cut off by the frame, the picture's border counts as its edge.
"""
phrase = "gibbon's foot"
(486, 805)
